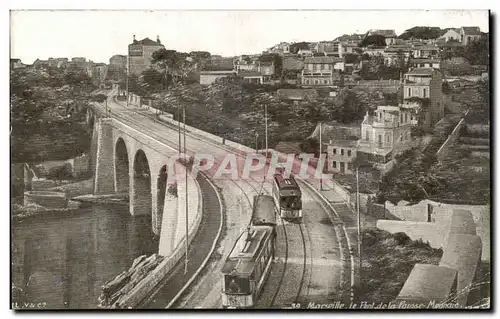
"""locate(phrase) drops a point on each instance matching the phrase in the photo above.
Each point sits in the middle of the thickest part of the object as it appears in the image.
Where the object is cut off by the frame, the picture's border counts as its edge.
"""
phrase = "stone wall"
(462, 250)
(450, 141)
(49, 200)
(442, 213)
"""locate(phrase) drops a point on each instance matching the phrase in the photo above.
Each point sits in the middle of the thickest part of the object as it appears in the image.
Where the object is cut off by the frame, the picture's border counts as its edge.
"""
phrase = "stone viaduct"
(129, 162)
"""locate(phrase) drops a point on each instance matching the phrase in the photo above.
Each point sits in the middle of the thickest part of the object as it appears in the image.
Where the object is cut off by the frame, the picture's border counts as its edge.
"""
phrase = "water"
(62, 262)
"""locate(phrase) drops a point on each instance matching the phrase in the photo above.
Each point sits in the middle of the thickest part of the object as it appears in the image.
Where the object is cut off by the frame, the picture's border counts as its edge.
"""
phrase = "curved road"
(322, 262)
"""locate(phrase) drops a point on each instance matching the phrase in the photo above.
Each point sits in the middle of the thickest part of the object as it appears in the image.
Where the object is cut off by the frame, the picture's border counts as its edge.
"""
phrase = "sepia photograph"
(334, 160)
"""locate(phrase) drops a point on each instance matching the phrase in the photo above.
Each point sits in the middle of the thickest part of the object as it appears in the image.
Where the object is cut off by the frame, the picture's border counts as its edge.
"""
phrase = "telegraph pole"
(127, 75)
(179, 126)
(319, 159)
(186, 188)
(265, 108)
(256, 142)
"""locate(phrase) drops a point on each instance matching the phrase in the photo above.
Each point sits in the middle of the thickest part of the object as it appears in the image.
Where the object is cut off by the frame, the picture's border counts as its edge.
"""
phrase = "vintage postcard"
(300, 160)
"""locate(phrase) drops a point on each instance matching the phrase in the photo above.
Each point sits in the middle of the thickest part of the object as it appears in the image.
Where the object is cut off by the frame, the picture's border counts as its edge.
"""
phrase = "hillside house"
(469, 34)
(209, 77)
(385, 134)
(390, 35)
(321, 71)
(425, 51)
(451, 35)
(422, 89)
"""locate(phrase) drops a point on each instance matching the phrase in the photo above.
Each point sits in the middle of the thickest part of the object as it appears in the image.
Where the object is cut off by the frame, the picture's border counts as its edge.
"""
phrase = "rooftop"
(426, 47)
(288, 147)
(344, 143)
(296, 94)
(322, 60)
(146, 42)
(214, 72)
(471, 30)
(245, 73)
(421, 71)
(425, 60)
(385, 33)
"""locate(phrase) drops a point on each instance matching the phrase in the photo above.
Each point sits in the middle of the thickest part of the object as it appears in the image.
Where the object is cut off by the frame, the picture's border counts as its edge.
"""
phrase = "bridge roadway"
(318, 267)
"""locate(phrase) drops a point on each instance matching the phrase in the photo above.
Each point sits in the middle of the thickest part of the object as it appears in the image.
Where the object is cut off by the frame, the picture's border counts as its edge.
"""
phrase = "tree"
(276, 59)
(477, 52)
(351, 58)
(99, 98)
(424, 33)
(295, 47)
(172, 64)
(310, 145)
(376, 40)
(152, 80)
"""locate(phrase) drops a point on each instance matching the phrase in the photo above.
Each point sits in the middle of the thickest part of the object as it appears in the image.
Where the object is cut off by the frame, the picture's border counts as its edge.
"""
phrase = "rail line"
(131, 120)
(285, 264)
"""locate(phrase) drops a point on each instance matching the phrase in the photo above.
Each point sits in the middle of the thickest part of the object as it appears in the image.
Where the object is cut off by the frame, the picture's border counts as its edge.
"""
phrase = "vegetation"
(424, 33)
(234, 109)
(376, 40)
(295, 47)
(48, 113)
(386, 262)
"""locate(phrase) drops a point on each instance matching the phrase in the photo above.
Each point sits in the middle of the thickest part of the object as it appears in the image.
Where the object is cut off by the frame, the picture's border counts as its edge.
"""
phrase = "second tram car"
(264, 213)
(246, 268)
(249, 263)
(288, 197)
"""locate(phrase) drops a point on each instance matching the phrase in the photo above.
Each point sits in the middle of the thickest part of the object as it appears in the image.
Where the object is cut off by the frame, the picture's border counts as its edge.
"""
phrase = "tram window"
(236, 285)
(289, 201)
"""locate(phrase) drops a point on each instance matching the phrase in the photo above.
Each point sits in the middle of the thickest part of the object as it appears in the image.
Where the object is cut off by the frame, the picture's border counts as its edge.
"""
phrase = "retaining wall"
(461, 252)
(49, 200)
(148, 284)
(442, 213)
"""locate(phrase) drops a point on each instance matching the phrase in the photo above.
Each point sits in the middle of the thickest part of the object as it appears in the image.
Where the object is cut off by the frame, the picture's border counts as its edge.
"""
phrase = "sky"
(97, 35)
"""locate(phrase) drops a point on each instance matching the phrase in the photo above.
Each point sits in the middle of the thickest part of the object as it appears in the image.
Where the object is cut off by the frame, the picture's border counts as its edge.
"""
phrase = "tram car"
(288, 197)
(264, 212)
(246, 268)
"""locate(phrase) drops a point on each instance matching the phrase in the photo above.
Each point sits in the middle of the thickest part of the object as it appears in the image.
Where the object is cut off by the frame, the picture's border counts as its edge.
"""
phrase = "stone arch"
(121, 167)
(161, 187)
(141, 191)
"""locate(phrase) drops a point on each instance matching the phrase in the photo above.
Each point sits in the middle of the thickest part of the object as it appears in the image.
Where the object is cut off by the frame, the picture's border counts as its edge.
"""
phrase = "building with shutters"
(140, 54)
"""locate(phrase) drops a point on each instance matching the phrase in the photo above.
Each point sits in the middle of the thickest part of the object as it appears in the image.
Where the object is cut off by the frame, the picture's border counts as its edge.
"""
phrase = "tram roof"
(285, 183)
(263, 209)
(241, 260)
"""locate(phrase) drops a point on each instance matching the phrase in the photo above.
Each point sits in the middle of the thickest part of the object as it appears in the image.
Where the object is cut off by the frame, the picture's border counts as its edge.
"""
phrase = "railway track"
(281, 291)
(280, 296)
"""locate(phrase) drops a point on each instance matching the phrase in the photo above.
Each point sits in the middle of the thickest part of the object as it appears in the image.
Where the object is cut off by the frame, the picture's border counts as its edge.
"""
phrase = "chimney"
(134, 38)
(158, 39)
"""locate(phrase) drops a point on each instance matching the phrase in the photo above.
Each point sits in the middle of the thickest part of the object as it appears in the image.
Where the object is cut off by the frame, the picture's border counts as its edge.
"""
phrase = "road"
(312, 270)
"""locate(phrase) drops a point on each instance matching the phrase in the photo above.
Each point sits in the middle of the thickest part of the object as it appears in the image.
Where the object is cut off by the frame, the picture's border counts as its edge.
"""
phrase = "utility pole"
(179, 125)
(256, 142)
(186, 188)
(358, 162)
(265, 110)
(319, 159)
(127, 75)
(106, 101)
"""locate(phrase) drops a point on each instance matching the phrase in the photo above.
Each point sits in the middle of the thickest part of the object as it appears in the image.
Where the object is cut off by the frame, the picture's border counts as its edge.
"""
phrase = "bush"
(64, 172)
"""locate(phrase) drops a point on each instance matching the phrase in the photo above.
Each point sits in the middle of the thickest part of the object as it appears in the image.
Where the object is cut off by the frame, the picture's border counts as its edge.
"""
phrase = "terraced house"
(422, 88)
(469, 34)
(321, 71)
(140, 53)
